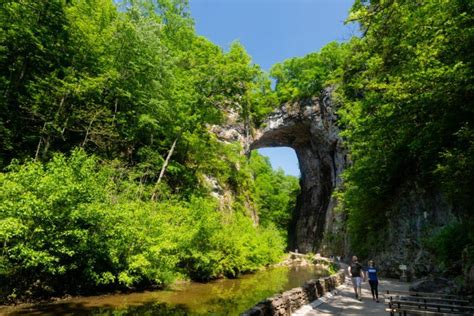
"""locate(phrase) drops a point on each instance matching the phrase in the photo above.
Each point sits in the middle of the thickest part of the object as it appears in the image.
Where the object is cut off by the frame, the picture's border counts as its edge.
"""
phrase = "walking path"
(343, 301)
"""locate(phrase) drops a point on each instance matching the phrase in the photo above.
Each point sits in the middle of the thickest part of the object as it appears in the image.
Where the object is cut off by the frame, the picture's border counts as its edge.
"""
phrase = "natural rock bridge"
(309, 127)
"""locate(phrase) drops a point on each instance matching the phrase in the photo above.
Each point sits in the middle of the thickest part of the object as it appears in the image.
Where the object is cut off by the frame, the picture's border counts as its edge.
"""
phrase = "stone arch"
(308, 126)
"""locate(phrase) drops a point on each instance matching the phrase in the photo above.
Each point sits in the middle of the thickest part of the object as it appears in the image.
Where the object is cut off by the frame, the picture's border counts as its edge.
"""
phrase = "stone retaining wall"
(287, 302)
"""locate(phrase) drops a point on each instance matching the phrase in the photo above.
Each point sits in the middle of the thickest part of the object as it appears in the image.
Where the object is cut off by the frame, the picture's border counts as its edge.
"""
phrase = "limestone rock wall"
(309, 127)
(415, 215)
(231, 131)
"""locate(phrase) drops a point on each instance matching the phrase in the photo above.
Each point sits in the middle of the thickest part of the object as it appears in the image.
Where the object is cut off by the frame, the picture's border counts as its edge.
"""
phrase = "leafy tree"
(306, 76)
(407, 105)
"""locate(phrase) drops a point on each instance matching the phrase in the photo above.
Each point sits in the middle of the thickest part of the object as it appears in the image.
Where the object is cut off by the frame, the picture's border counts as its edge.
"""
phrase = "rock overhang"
(294, 135)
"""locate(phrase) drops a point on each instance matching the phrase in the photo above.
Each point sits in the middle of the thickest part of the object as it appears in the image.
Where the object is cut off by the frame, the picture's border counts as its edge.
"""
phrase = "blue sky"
(272, 31)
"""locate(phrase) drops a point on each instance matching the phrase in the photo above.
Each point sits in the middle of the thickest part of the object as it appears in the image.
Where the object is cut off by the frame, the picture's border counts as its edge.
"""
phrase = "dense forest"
(107, 154)
(109, 167)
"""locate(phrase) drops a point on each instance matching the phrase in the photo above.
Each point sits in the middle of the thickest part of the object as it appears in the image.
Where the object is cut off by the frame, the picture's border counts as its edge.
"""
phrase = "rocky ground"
(294, 258)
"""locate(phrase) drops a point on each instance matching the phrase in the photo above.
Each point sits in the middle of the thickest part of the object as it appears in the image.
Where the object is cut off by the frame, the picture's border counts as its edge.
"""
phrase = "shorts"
(356, 281)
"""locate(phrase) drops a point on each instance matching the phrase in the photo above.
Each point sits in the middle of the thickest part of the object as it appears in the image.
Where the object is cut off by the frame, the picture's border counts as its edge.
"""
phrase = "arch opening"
(276, 191)
(282, 158)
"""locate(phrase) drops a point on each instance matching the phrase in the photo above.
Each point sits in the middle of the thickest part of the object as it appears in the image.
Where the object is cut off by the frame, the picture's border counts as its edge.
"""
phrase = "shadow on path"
(345, 303)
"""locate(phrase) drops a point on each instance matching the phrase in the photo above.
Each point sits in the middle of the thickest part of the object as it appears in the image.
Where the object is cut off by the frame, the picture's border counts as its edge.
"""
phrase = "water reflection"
(221, 297)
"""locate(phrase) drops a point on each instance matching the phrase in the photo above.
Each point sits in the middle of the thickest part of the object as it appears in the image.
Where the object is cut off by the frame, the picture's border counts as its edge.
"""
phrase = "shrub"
(72, 225)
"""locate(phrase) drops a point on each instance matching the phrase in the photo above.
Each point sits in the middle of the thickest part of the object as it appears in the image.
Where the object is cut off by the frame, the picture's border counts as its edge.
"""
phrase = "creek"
(220, 297)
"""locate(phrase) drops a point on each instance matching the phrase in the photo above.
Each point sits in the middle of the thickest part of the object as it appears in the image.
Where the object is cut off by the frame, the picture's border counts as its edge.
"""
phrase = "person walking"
(373, 280)
(356, 273)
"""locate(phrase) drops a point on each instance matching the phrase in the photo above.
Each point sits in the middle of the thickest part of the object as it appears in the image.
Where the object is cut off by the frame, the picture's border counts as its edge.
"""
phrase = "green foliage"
(456, 169)
(333, 268)
(407, 107)
(120, 79)
(271, 193)
(307, 76)
(274, 194)
(226, 245)
(449, 242)
(74, 225)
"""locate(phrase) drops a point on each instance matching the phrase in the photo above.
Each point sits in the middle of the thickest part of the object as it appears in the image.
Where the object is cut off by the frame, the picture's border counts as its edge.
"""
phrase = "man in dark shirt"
(356, 274)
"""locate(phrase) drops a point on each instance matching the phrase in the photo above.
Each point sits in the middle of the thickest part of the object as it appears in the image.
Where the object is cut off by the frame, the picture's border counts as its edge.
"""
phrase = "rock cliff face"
(415, 214)
(309, 127)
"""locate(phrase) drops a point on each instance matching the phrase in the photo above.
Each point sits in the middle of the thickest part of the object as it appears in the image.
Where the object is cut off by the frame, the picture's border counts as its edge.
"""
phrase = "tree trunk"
(38, 148)
(40, 141)
(162, 172)
(88, 129)
(115, 108)
(47, 144)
